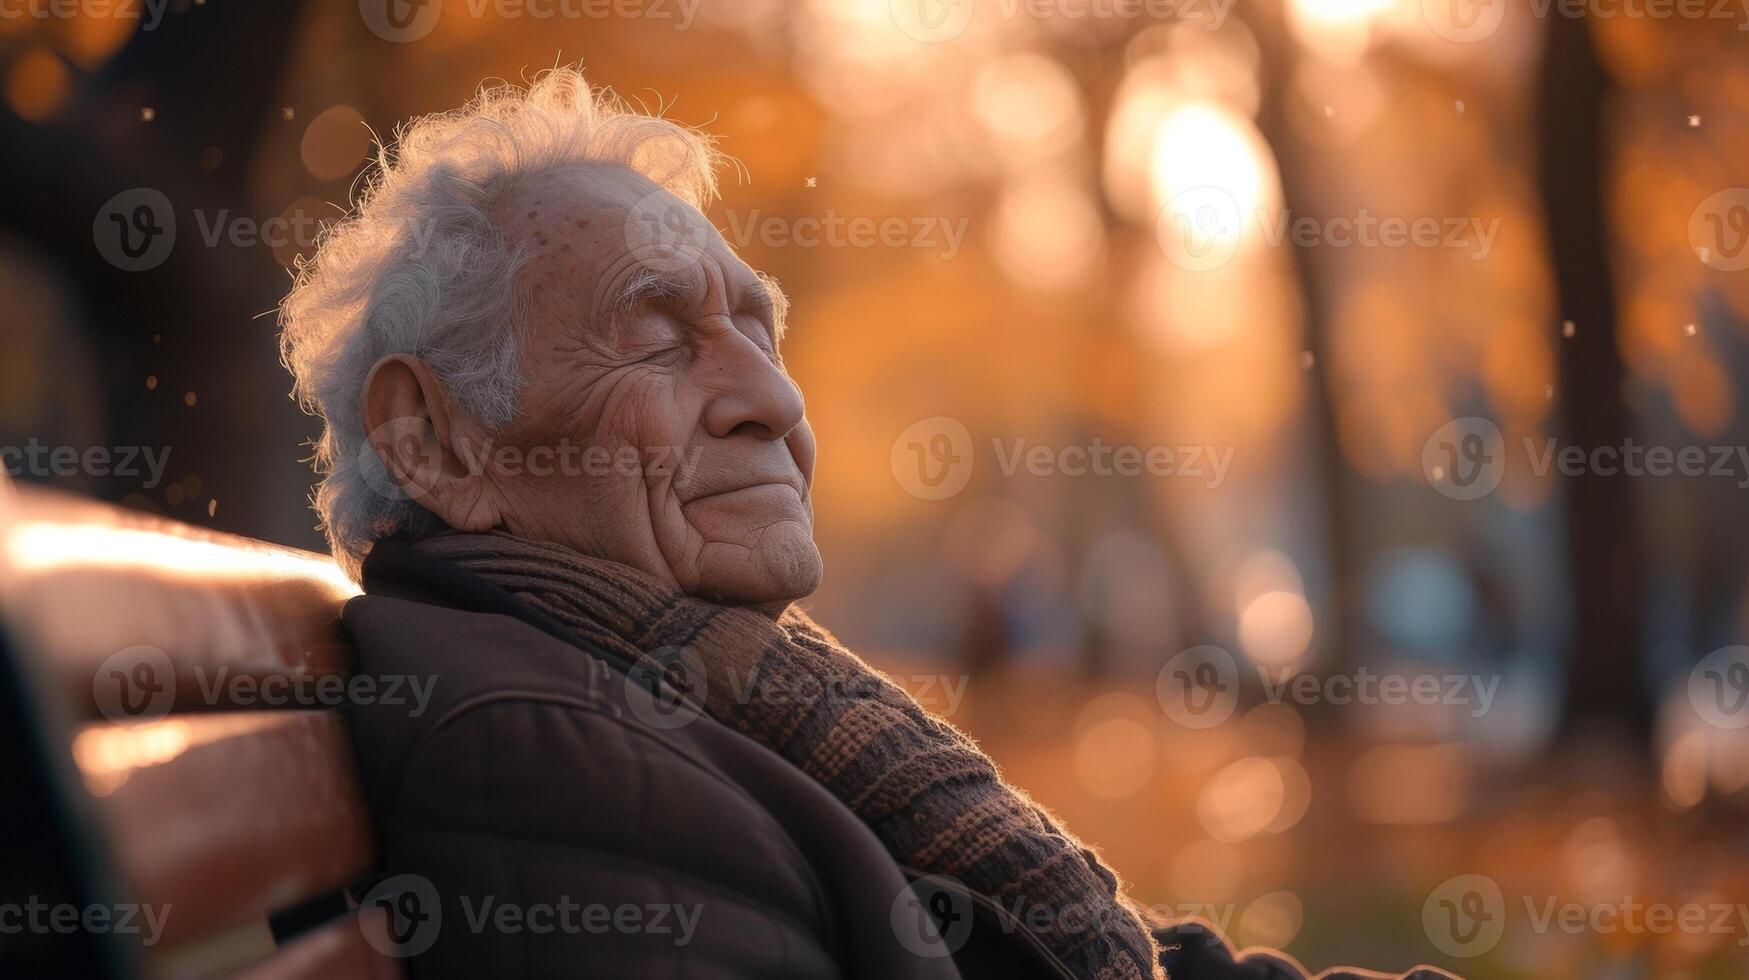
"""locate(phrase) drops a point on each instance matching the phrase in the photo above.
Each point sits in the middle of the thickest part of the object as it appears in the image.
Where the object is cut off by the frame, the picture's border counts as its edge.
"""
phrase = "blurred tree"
(200, 86)
(1333, 478)
(1605, 686)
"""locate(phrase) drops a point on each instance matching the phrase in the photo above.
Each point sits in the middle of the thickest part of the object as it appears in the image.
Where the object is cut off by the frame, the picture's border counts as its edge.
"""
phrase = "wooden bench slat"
(216, 814)
(228, 817)
(82, 581)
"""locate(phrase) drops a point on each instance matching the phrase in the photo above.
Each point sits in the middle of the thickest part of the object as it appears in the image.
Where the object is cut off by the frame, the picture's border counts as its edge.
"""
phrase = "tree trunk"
(1604, 687)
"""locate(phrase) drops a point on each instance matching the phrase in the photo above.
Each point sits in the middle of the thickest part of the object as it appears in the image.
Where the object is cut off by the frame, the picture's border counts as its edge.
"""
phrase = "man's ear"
(434, 452)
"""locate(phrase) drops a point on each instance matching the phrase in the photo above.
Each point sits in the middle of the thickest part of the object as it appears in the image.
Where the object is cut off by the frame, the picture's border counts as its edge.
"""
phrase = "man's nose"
(757, 397)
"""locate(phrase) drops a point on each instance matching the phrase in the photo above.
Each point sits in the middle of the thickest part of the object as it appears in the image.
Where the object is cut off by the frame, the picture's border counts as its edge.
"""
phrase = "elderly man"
(563, 456)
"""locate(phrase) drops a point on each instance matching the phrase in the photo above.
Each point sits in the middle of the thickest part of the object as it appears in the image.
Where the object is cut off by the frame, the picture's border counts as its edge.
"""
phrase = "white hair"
(420, 266)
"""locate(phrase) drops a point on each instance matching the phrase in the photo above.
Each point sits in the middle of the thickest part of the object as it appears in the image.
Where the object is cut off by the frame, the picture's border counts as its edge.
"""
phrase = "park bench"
(170, 753)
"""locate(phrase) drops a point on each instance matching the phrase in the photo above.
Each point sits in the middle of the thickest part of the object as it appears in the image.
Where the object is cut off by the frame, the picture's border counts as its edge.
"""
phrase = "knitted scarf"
(938, 804)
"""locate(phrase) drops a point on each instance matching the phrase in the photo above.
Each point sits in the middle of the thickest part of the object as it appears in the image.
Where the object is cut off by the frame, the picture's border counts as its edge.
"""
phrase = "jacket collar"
(395, 569)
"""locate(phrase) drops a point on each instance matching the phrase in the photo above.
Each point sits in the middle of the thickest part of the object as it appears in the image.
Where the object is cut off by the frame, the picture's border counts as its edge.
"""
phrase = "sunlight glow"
(1207, 145)
(46, 545)
(1242, 800)
(1276, 628)
(1031, 107)
(108, 754)
(1340, 30)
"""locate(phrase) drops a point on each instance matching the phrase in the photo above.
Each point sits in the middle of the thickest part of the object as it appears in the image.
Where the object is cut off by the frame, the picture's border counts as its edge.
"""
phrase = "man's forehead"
(597, 221)
(604, 207)
(604, 189)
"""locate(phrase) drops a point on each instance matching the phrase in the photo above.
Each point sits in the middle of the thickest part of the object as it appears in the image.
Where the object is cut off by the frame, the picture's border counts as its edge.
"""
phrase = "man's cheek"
(670, 453)
(605, 402)
(625, 422)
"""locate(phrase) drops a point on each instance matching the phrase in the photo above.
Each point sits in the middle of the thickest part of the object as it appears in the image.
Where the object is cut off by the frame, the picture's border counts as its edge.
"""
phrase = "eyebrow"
(771, 303)
(646, 285)
(768, 301)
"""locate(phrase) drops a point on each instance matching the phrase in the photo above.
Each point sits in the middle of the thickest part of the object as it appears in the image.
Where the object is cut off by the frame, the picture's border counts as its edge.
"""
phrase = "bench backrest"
(177, 672)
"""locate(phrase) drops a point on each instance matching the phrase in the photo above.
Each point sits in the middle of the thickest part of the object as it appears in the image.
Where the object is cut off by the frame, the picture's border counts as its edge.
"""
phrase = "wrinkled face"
(677, 440)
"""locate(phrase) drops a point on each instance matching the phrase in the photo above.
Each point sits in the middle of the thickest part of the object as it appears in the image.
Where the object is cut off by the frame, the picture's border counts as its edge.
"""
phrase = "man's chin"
(783, 567)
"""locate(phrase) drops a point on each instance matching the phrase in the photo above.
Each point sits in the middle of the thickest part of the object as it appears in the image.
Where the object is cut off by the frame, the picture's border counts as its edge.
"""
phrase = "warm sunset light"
(44, 546)
(900, 489)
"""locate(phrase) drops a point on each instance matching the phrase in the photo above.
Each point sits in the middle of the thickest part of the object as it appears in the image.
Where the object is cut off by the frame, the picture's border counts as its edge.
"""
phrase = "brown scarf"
(935, 801)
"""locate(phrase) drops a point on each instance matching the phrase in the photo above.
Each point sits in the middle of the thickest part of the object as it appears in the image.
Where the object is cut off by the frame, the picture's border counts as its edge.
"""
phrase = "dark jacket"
(558, 831)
